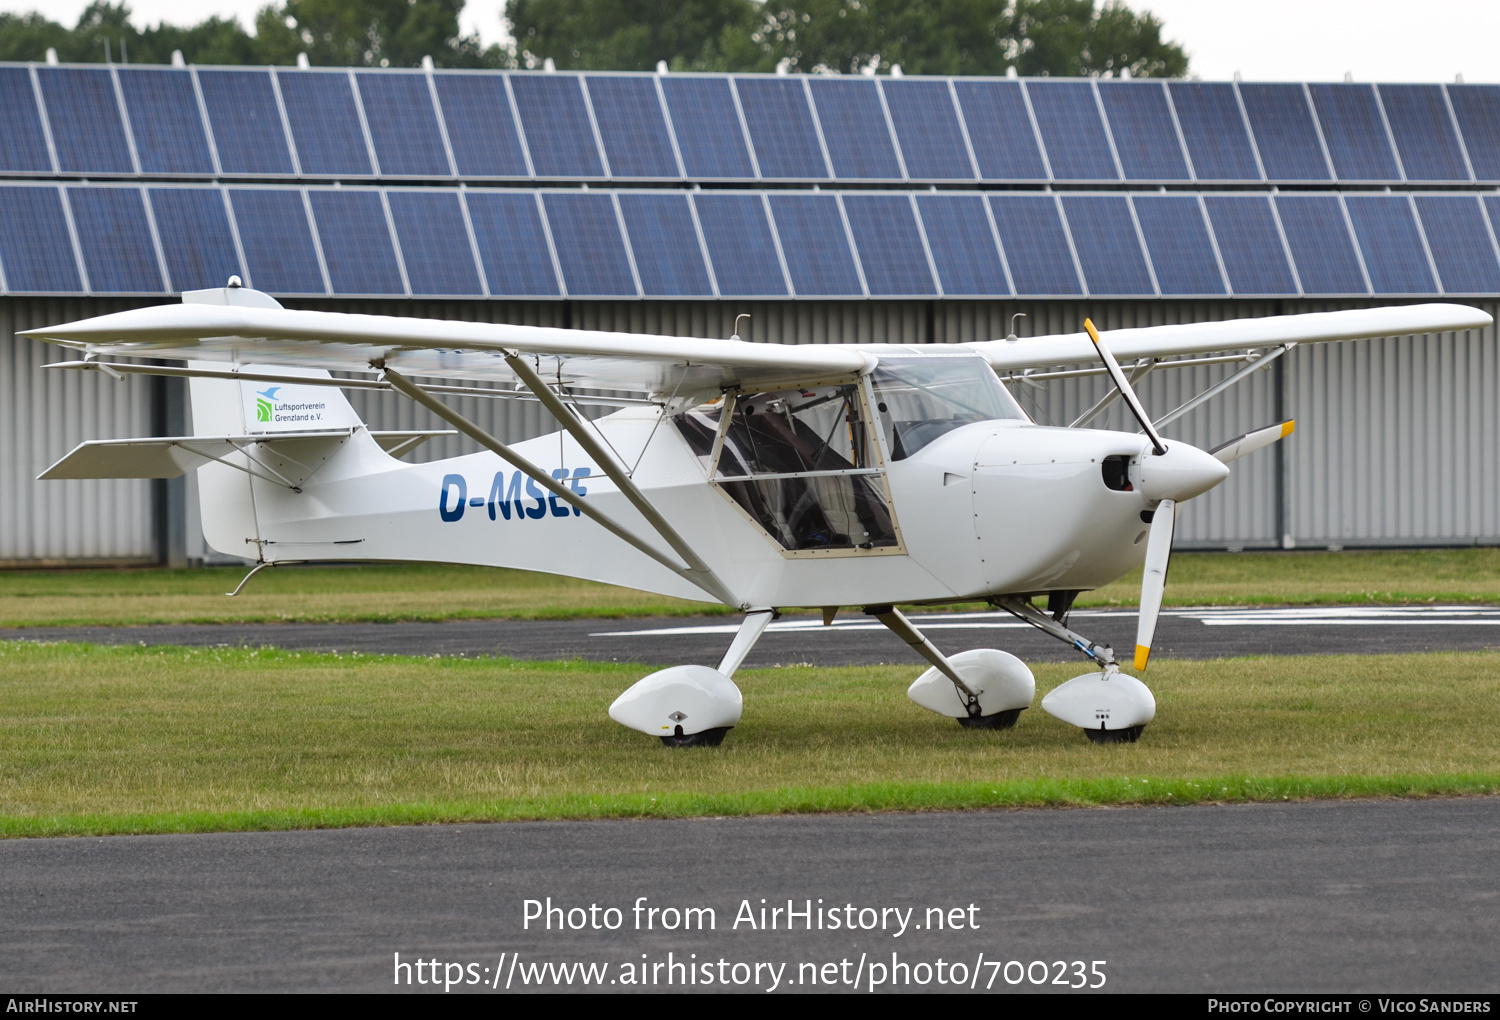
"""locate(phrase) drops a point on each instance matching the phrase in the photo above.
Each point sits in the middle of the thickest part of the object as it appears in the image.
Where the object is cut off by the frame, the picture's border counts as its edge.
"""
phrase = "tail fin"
(223, 407)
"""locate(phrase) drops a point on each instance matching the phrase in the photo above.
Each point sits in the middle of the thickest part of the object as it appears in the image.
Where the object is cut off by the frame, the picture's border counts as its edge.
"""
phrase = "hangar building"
(832, 209)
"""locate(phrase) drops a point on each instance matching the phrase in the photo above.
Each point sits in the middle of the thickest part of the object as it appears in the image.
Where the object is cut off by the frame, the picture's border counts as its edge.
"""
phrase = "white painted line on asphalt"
(1209, 616)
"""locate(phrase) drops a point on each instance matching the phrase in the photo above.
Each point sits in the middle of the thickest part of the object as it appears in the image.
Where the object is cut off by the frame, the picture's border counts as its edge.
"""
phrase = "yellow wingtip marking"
(1142, 653)
(1288, 427)
(1088, 324)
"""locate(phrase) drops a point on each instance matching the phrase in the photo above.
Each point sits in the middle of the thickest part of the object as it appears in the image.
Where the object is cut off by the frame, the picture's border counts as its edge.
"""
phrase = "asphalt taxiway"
(1359, 897)
(1186, 633)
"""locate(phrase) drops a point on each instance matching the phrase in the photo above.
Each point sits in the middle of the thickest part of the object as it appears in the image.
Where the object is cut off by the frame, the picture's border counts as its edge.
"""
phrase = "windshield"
(920, 399)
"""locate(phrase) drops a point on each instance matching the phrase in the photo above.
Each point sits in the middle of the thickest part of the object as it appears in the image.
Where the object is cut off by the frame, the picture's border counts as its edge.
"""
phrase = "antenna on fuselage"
(1012, 334)
(737, 318)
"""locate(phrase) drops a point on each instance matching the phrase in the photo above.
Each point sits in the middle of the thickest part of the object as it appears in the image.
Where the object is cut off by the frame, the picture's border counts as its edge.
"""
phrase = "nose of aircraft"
(1181, 473)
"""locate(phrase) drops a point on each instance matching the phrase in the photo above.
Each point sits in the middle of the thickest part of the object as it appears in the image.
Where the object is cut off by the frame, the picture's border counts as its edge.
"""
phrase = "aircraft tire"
(999, 721)
(703, 738)
(1128, 735)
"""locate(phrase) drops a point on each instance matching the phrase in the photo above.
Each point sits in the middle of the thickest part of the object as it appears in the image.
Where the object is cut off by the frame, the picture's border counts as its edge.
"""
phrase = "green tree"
(1073, 37)
(632, 35)
(369, 33)
(395, 33)
(1037, 37)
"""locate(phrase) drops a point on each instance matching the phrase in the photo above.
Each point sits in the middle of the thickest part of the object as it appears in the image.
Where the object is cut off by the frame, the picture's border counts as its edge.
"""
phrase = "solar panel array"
(660, 243)
(350, 124)
(433, 183)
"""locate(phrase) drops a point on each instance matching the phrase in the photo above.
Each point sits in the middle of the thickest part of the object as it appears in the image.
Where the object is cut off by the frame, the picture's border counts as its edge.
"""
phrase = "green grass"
(100, 740)
(379, 592)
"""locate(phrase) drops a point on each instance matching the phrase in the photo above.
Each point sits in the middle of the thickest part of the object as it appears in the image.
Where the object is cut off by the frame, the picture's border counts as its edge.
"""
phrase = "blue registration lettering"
(558, 511)
(578, 476)
(505, 498)
(453, 481)
(538, 493)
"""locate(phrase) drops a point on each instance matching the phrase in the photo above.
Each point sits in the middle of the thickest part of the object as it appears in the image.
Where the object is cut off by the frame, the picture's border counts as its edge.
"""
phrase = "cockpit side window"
(799, 463)
(920, 399)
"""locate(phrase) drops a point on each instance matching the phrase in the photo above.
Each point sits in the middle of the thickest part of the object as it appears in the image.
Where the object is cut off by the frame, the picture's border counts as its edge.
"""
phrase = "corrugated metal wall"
(1397, 440)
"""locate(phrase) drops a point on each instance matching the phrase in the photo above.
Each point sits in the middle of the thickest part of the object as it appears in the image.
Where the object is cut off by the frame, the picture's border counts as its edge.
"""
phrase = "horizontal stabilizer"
(1239, 446)
(287, 459)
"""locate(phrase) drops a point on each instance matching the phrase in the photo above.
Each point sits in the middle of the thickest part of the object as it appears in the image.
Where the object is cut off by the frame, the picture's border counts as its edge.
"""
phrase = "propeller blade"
(1239, 446)
(1154, 583)
(1123, 385)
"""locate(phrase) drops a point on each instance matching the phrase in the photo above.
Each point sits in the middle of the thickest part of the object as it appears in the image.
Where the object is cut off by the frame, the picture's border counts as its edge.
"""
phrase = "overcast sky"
(1265, 40)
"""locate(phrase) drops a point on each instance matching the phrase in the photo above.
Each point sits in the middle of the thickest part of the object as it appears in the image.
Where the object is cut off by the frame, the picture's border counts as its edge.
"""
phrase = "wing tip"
(1142, 653)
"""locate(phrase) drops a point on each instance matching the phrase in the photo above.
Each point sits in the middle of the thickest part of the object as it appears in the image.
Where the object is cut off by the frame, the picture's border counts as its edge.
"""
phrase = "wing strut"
(698, 571)
(705, 580)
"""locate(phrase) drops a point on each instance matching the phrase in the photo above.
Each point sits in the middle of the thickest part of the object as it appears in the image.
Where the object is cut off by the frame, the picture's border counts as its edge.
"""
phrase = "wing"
(1235, 334)
(255, 329)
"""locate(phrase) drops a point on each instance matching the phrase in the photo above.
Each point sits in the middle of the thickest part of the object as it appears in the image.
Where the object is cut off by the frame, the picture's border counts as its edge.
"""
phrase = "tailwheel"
(703, 738)
(1128, 735)
(999, 721)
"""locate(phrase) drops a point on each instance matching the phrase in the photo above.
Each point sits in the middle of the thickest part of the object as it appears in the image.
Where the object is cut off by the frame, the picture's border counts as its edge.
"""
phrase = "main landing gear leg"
(1109, 706)
(693, 706)
(992, 687)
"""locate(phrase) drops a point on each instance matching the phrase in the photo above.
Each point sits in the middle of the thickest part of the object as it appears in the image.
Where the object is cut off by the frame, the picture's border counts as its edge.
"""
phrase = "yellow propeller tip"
(1142, 653)
(1088, 324)
(1288, 427)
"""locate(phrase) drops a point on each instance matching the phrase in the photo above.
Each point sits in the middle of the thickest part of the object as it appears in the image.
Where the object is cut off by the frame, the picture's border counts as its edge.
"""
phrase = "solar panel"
(25, 148)
(85, 121)
(1477, 108)
(1391, 243)
(781, 127)
(707, 127)
(325, 124)
(1000, 130)
(1214, 131)
(926, 122)
(1461, 245)
(115, 240)
(665, 243)
(854, 128)
(278, 244)
(1250, 244)
(403, 124)
(1424, 132)
(1177, 238)
(36, 250)
(1145, 137)
(246, 122)
(1284, 132)
(889, 244)
(1108, 247)
(434, 242)
(631, 123)
(963, 247)
(165, 121)
(1355, 133)
(195, 237)
(512, 243)
(356, 240)
(740, 244)
(556, 122)
(1068, 117)
(589, 247)
(1036, 246)
(815, 245)
(476, 109)
(1320, 243)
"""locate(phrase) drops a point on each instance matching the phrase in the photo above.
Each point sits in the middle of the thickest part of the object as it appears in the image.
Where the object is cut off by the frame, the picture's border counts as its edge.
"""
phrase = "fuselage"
(984, 507)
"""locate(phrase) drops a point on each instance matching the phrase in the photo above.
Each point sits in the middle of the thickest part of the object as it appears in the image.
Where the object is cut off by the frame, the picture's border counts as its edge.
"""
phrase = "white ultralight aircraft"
(754, 475)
